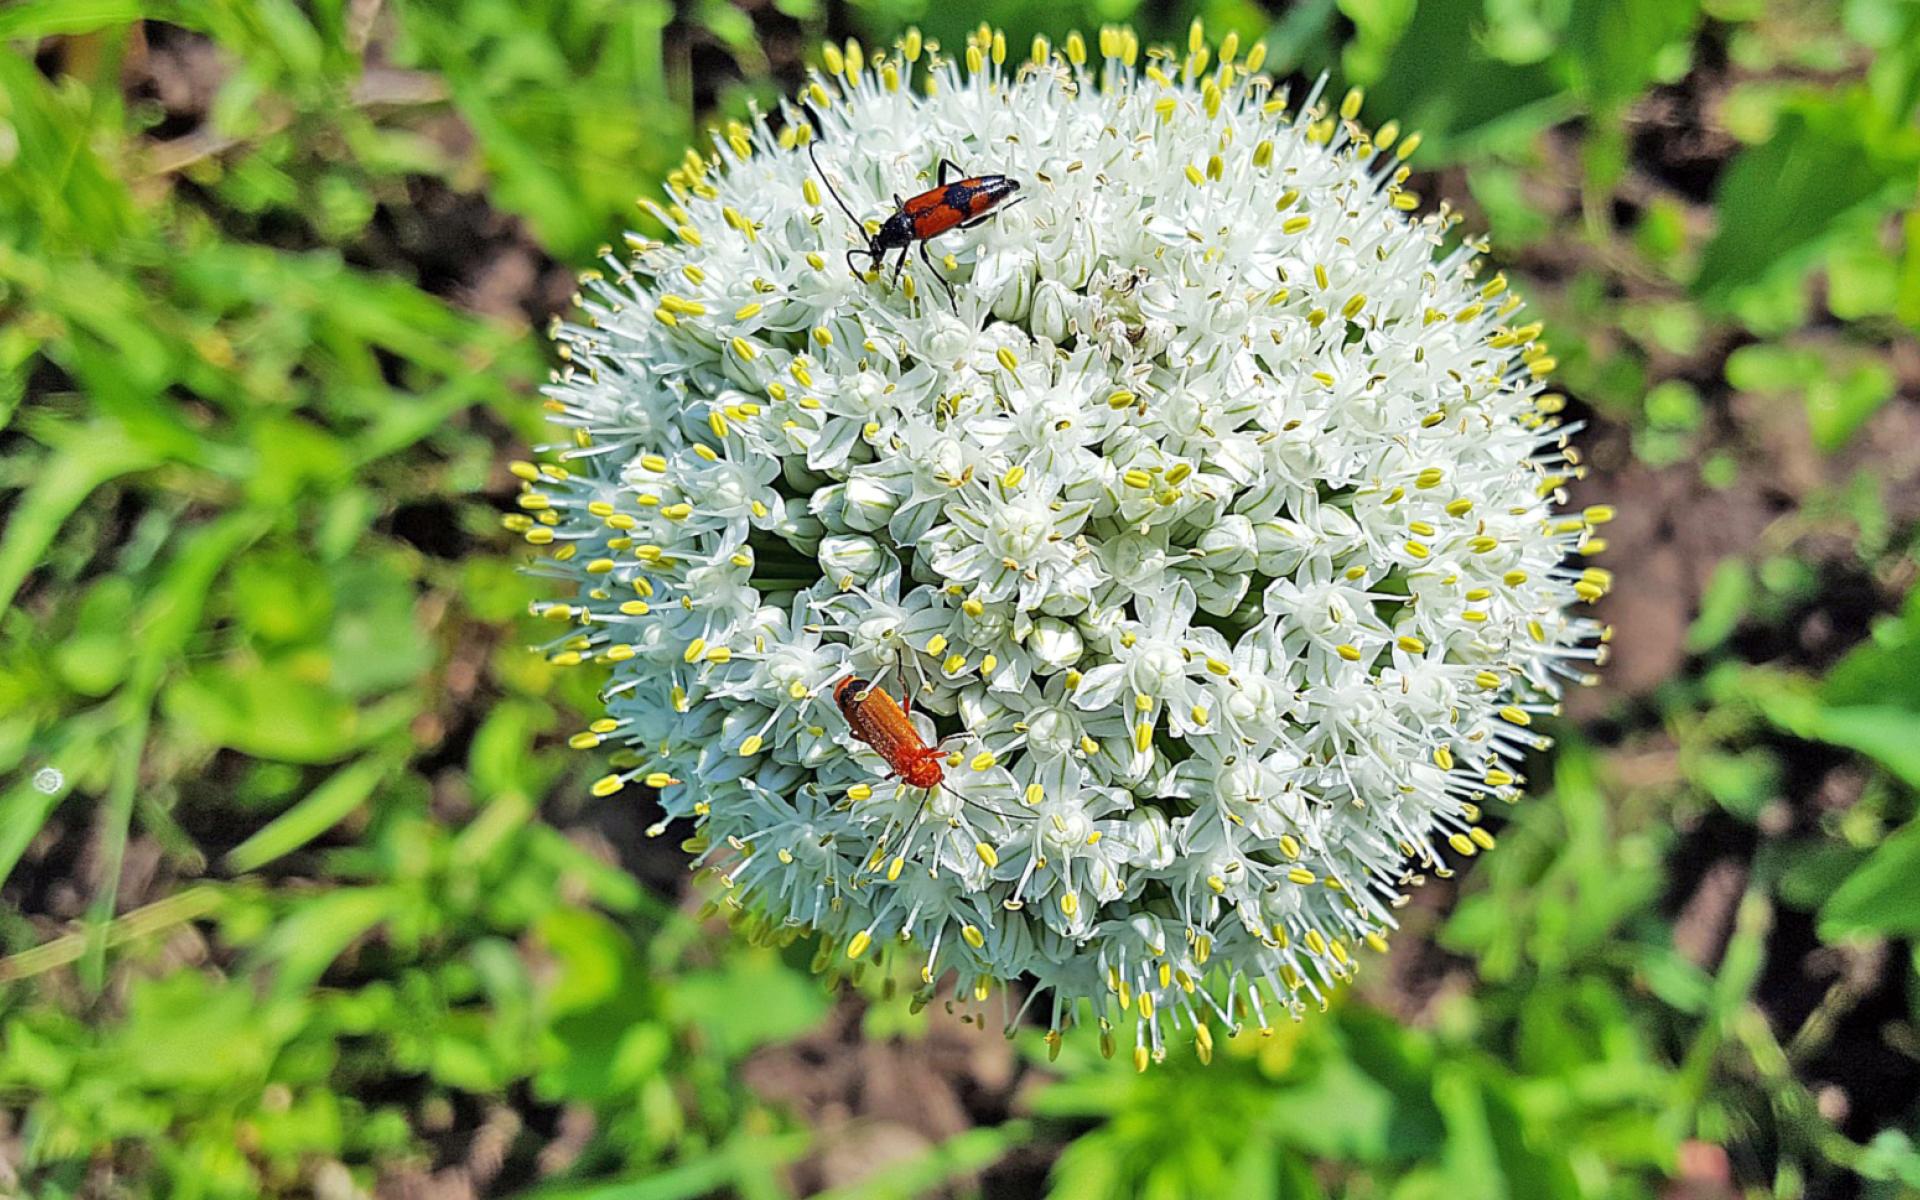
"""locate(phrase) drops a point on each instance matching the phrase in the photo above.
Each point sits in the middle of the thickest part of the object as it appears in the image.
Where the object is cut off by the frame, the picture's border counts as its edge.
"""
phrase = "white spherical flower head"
(1132, 594)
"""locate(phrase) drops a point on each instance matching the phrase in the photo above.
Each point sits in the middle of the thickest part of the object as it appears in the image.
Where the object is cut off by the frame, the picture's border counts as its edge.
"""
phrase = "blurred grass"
(320, 907)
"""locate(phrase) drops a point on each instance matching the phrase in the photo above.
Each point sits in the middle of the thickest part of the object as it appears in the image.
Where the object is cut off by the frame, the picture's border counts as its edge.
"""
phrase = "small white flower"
(1208, 530)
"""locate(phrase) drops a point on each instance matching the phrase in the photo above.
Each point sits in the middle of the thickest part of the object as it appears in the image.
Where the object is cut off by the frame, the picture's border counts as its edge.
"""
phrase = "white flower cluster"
(1209, 529)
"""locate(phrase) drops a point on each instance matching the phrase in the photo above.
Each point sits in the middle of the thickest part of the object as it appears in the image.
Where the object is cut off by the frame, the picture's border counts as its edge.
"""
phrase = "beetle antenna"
(834, 191)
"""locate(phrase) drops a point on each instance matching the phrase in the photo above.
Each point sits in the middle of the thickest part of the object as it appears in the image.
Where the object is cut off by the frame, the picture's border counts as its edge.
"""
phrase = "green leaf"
(281, 597)
(25, 805)
(1907, 301)
(268, 712)
(1892, 1156)
(185, 1031)
(1728, 595)
(754, 1000)
(1841, 386)
(1441, 79)
(86, 459)
(1616, 47)
(376, 644)
(1838, 405)
(300, 948)
(603, 1035)
(1781, 203)
(1879, 897)
(1890, 736)
(318, 811)
(1883, 670)
(47, 18)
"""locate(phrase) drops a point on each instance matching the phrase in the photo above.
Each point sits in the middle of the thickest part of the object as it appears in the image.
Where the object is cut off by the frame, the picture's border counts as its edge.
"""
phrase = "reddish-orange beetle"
(879, 721)
(947, 205)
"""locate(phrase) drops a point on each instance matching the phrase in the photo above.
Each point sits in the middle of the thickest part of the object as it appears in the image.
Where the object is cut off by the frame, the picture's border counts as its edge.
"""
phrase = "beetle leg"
(946, 166)
(906, 831)
(857, 272)
(901, 265)
(935, 272)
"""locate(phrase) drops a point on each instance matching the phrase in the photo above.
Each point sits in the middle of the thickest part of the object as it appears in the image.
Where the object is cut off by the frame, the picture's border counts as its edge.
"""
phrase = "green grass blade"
(320, 810)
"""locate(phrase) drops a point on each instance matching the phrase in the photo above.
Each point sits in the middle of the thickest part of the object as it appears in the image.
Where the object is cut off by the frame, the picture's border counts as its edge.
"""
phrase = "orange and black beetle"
(882, 723)
(955, 204)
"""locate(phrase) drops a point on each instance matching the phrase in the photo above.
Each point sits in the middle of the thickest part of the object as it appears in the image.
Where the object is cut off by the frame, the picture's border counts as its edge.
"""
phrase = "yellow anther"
(682, 306)
(988, 854)
(1349, 652)
(607, 785)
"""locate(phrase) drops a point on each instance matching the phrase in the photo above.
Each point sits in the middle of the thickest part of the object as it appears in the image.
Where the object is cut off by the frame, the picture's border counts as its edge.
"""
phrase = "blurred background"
(304, 894)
